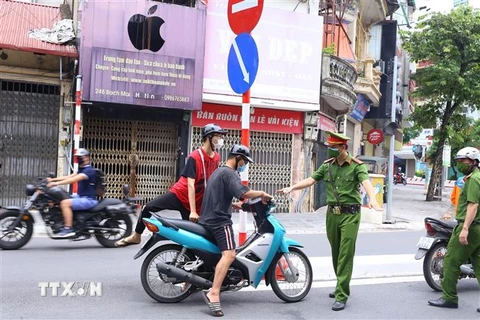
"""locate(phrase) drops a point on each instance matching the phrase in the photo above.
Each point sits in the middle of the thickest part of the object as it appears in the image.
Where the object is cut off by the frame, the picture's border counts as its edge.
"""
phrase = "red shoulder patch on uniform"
(329, 160)
(357, 161)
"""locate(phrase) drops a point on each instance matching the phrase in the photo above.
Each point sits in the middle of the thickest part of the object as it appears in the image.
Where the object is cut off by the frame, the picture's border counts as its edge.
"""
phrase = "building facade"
(139, 87)
(36, 75)
(284, 97)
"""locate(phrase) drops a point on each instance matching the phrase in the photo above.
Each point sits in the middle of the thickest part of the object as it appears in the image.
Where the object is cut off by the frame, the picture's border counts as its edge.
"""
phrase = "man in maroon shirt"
(187, 193)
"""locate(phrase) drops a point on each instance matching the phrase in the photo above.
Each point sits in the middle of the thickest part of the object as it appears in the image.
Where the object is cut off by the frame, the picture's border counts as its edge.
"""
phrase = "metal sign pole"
(242, 235)
(391, 165)
(77, 127)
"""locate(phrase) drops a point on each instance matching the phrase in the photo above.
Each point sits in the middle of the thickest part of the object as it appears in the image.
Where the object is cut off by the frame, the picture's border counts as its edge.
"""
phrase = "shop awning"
(406, 155)
(17, 19)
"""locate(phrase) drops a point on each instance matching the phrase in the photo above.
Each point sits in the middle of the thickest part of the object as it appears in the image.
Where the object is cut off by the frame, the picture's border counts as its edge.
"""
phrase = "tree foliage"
(449, 45)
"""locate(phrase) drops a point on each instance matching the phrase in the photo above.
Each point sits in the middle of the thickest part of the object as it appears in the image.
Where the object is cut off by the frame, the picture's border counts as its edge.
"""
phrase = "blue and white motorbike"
(173, 271)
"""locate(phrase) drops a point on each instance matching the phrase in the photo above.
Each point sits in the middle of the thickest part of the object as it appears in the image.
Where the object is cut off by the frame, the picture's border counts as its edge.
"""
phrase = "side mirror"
(126, 189)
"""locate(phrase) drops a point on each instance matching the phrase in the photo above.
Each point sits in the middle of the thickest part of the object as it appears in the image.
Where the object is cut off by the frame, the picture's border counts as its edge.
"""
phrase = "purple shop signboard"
(142, 53)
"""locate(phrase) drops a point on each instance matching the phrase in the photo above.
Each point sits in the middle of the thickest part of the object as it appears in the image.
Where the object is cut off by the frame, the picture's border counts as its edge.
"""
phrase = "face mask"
(463, 167)
(333, 152)
(242, 168)
(219, 143)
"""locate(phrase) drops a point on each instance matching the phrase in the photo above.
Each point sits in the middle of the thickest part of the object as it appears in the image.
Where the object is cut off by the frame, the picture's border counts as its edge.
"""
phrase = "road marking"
(370, 266)
(246, 76)
(354, 282)
(244, 5)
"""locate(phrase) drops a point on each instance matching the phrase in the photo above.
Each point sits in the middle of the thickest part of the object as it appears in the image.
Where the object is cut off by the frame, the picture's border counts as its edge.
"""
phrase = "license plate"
(425, 242)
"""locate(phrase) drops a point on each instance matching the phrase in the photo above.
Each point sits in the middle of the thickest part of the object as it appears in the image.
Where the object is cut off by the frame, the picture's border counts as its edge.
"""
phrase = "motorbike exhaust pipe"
(105, 229)
(182, 275)
(466, 270)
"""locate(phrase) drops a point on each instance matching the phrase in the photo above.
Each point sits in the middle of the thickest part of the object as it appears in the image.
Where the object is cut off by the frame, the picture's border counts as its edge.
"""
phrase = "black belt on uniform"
(345, 208)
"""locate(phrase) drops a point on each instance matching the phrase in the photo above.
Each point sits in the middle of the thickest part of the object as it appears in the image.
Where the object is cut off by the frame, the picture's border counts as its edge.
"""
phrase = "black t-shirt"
(222, 187)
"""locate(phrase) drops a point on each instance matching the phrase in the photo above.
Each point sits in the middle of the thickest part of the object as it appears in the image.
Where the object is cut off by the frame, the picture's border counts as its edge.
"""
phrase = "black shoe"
(442, 303)
(331, 295)
(478, 310)
(337, 306)
(65, 233)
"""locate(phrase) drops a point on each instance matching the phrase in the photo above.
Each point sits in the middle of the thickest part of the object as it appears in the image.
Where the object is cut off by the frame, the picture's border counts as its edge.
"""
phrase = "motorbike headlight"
(30, 189)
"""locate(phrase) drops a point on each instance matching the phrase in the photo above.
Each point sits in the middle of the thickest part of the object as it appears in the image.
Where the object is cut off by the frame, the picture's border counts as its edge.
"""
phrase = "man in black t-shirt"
(216, 215)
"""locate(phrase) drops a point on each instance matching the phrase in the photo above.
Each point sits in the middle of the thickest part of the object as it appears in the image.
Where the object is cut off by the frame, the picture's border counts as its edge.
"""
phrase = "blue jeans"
(82, 203)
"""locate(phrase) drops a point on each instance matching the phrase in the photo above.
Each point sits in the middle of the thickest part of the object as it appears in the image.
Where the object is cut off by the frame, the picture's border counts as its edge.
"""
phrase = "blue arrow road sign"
(242, 63)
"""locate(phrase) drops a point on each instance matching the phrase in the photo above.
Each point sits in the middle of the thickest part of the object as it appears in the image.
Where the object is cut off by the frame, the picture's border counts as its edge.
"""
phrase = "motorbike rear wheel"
(433, 265)
(283, 281)
(108, 239)
(159, 286)
(20, 235)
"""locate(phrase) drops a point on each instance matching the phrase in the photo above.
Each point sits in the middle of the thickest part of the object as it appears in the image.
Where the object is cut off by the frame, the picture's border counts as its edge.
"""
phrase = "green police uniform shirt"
(470, 193)
(346, 179)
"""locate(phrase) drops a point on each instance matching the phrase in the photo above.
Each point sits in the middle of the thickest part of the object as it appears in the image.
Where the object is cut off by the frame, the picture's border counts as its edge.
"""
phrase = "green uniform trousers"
(457, 254)
(342, 231)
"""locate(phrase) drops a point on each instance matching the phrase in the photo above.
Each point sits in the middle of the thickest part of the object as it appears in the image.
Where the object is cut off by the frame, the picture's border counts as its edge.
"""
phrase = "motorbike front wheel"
(158, 285)
(404, 181)
(291, 285)
(433, 265)
(19, 236)
(123, 228)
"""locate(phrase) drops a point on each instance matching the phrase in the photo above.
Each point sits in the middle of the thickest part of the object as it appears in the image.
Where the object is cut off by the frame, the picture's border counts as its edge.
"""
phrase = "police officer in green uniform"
(343, 175)
(465, 240)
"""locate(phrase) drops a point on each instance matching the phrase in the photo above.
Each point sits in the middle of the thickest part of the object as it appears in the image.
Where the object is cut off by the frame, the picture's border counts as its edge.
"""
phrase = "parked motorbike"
(173, 271)
(400, 178)
(434, 247)
(108, 221)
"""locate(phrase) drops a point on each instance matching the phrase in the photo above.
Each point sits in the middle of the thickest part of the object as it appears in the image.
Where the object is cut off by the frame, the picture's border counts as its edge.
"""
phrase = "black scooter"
(434, 248)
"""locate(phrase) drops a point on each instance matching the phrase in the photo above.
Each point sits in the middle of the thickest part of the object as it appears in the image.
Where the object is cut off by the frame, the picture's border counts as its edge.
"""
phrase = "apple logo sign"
(144, 33)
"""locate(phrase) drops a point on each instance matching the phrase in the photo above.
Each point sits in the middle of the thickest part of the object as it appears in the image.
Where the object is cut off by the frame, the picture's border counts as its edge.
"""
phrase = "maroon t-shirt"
(194, 169)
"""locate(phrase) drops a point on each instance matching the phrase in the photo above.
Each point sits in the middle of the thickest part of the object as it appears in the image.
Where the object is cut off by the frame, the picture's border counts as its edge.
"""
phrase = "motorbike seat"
(189, 226)
(450, 224)
(104, 203)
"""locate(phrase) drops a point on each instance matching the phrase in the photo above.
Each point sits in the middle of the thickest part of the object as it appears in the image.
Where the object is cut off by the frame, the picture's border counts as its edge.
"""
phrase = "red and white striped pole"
(242, 235)
(77, 126)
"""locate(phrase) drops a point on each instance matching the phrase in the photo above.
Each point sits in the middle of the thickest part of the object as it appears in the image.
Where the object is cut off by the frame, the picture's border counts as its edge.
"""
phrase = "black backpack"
(99, 182)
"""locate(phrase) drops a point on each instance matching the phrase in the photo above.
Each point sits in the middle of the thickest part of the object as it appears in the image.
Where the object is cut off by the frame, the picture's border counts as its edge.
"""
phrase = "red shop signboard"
(230, 117)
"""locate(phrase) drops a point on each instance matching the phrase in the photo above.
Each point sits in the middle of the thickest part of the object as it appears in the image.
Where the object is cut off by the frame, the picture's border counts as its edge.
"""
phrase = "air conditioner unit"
(381, 64)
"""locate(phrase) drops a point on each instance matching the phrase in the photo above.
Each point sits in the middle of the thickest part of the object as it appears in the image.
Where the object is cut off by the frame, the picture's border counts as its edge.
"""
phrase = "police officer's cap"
(336, 139)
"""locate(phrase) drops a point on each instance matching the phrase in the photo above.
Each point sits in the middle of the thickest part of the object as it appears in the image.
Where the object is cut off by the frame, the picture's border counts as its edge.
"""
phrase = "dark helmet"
(212, 128)
(243, 151)
(82, 152)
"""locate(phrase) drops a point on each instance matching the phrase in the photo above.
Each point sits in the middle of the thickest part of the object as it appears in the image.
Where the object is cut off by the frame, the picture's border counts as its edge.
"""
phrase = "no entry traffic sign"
(243, 15)
(242, 64)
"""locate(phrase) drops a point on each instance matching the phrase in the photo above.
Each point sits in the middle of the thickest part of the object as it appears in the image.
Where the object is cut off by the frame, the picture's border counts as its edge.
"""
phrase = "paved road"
(374, 296)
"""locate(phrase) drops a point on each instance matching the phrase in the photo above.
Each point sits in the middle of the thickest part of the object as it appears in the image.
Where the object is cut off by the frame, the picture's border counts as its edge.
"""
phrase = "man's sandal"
(124, 243)
(215, 307)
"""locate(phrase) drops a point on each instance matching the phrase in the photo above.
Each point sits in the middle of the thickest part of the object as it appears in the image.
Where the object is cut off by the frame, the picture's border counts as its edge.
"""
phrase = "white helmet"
(468, 153)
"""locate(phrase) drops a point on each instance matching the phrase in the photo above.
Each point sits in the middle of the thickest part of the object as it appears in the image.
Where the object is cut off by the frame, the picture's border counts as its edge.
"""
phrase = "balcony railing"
(368, 82)
(342, 71)
(338, 78)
